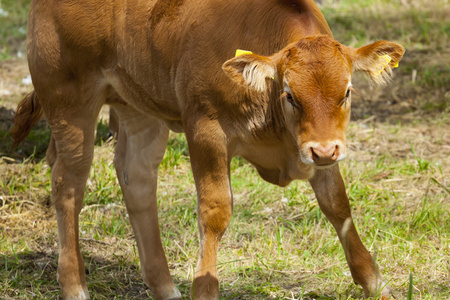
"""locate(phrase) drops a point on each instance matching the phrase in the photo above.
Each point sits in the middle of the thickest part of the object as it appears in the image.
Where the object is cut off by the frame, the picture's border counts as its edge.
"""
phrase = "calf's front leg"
(332, 198)
(210, 165)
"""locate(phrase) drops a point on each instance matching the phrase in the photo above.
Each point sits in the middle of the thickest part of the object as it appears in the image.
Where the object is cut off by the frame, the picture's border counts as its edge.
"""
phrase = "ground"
(278, 245)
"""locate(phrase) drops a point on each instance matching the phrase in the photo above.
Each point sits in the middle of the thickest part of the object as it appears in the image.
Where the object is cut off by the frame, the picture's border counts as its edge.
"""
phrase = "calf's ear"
(250, 70)
(377, 59)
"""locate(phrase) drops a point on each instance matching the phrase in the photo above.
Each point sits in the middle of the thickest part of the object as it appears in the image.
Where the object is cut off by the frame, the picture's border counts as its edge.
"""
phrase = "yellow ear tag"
(240, 52)
(388, 59)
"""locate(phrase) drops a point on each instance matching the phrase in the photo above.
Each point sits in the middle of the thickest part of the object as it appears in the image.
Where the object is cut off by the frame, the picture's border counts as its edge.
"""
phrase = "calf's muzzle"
(323, 154)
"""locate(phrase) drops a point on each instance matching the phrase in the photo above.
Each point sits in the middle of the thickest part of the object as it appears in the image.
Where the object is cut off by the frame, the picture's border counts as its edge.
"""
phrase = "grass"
(13, 20)
(427, 27)
(278, 242)
(279, 245)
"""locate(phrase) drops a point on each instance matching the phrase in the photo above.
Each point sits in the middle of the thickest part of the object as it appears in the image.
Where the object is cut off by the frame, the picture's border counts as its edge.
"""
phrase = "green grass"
(279, 245)
(418, 25)
(278, 242)
(13, 21)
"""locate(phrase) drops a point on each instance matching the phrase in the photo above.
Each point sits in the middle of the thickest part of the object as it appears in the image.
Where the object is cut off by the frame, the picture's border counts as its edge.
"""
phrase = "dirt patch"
(6, 118)
(14, 82)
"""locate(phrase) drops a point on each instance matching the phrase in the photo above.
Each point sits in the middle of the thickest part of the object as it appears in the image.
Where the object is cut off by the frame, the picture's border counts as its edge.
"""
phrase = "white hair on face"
(287, 88)
(255, 75)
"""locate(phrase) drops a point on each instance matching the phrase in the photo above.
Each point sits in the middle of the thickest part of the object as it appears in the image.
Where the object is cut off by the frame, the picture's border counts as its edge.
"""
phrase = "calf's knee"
(215, 215)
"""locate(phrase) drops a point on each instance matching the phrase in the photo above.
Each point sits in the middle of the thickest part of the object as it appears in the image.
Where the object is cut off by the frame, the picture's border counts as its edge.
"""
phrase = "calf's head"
(314, 81)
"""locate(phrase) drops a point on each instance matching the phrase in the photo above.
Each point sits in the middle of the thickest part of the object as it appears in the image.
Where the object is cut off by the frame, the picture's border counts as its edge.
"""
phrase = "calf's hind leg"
(70, 156)
(332, 198)
(140, 149)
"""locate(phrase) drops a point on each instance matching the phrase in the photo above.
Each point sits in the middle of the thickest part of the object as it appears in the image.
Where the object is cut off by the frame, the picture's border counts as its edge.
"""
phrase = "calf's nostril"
(335, 153)
(314, 155)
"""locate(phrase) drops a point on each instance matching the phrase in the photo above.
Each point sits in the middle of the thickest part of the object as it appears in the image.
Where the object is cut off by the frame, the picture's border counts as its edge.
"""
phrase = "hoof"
(386, 293)
(82, 295)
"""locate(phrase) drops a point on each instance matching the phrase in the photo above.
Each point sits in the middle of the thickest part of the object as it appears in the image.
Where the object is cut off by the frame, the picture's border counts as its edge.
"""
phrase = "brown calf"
(169, 65)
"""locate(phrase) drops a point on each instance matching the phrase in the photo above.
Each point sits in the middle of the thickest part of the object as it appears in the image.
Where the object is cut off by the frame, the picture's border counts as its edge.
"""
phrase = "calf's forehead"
(318, 66)
(319, 79)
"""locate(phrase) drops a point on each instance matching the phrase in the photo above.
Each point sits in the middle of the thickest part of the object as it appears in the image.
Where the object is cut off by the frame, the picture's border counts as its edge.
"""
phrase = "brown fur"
(170, 65)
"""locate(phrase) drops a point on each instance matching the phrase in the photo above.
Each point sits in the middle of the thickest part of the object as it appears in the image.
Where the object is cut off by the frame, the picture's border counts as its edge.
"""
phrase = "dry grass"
(273, 246)
(278, 245)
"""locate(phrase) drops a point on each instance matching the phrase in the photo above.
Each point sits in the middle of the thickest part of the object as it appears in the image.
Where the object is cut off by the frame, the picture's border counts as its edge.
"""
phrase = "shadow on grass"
(34, 145)
(33, 274)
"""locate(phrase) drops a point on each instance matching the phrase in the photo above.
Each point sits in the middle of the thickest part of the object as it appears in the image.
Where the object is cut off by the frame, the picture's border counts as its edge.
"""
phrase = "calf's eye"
(347, 94)
(290, 99)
